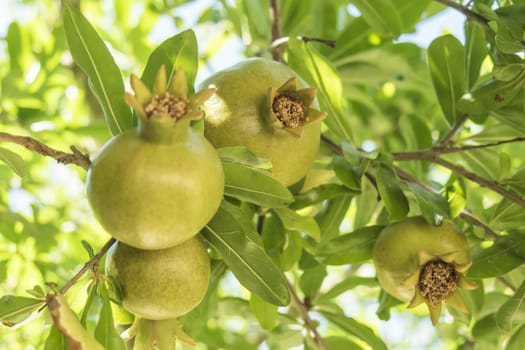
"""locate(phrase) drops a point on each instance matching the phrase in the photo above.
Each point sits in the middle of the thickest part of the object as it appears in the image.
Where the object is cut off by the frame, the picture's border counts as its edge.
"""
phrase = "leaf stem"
(90, 264)
(76, 157)
(303, 311)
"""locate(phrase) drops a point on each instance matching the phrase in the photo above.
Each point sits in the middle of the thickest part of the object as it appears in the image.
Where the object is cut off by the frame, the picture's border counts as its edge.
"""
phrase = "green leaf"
(265, 313)
(244, 156)
(512, 312)
(381, 15)
(340, 343)
(446, 57)
(517, 339)
(319, 73)
(311, 280)
(320, 194)
(350, 248)
(492, 95)
(178, 51)
(13, 160)
(330, 218)
(15, 309)
(90, 53)
(353, 327)
(486, 328)
(295, 222)
(55, 340)
(475, 51)
(344, 286)
(252, 185)
(92, 293)
(393, 197)
(105, 331)
(247, 260)
(505, 254)
(68, 324)
(386, 302)
(349, 175)
(244, 220)
(433, 206)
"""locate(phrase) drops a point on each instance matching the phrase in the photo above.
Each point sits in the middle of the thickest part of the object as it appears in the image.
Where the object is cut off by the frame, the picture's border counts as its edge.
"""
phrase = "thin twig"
(303, 311)
(90, 264)
(467, 12)
(493, 185)
(506, 283)
(76, 157)
(275, 16)
(445, 141)
(467, 216)
(464, 214)
(471, 147)
(285, 39)
(328, 42)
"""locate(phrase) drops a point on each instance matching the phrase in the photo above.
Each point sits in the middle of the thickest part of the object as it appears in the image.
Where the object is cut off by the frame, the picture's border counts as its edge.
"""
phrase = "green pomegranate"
(160, 284)
(421, 263)
(156, 186)
(263, 105)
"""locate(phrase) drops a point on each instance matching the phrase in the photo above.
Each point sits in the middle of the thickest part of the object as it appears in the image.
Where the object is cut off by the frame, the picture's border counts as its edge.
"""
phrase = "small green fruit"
(421, 263)
(160, 284)
(263, 106)
(156, 186)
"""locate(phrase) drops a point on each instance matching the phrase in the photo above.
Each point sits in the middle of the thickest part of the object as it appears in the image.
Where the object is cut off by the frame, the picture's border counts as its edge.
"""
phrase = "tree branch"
(459, 123)
(443, 150)
(464, 214)
(493, 185)
(467, 12)
(275, 16)
(303, 311)
(90, 264)
(76, 157)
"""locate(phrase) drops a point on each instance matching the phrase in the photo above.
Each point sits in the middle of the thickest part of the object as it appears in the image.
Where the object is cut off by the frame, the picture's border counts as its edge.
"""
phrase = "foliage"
(434, 131)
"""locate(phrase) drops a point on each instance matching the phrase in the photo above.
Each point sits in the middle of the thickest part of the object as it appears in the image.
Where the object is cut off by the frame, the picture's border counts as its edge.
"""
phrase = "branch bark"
(90, 264)
(76, 157)
(467, 12)
(303, 311)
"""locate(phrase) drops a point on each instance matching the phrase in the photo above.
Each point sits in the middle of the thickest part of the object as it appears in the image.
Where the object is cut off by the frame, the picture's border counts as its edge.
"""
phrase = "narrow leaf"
(512, 312)
(381, 15)
(252, 185)
(491, 95)
(350, 248)
(15, 309)
(244, 156)
(517, 339)
(295, 222)
(432, 206)
(320, 194)
(319, 73)
(13, 160)
(68, 324)
(90, 53)
(105, 331)
(504, 255)
(344, 286)
(175, 52)
(359, 330)
(475, 51)
(393, 197)
(247, 260)
(265, 313)
(446, 57)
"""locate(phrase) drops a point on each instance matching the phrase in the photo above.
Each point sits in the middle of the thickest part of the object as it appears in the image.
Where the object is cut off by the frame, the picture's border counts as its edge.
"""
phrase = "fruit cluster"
(153, 188)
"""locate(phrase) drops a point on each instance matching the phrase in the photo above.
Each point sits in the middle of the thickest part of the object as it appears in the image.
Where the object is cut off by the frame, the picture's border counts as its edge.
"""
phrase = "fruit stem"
(163, 130)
